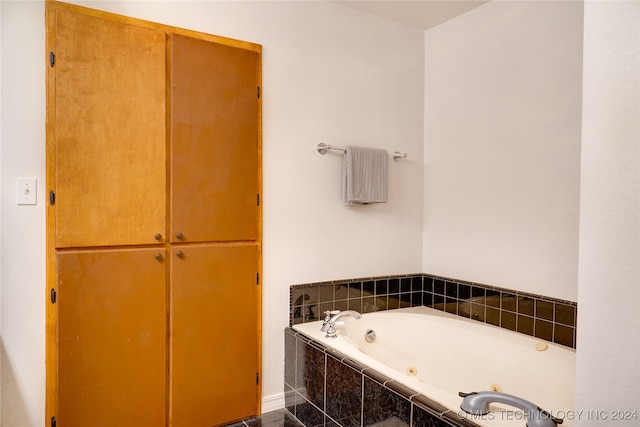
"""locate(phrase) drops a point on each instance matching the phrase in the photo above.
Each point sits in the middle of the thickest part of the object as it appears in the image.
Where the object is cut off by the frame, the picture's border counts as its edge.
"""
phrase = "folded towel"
(365, 176)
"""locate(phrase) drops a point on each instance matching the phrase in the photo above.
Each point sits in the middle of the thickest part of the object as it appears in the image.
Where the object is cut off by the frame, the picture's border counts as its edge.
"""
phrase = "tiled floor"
(281, 418)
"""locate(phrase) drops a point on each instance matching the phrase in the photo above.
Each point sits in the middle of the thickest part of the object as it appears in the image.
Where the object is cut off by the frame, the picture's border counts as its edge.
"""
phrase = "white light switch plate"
(26, 191)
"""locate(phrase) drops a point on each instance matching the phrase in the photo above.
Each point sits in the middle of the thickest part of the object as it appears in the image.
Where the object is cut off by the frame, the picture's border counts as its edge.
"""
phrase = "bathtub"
(438, 354)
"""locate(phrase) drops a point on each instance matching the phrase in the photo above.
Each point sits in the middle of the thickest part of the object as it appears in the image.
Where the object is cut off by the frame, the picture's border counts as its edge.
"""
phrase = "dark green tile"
(508, 320)
(438, 286)
(565, 314)
(525, 325)
(544, 310)
(564, 335)
(493, 316)
(477, 312)
(544, 330)
(526, 305)
(508, 302)
(492, 298)
(356, 304)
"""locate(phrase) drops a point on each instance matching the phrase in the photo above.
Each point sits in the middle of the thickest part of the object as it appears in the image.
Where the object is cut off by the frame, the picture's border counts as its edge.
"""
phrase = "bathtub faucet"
(477, 403)
(329, 325)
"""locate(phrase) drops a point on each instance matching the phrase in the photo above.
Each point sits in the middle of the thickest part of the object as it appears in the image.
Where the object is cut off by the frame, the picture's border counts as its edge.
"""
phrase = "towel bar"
(323, 148)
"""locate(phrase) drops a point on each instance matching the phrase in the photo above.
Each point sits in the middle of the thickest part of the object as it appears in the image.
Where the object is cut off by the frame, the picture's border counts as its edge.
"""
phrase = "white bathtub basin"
(438, 355)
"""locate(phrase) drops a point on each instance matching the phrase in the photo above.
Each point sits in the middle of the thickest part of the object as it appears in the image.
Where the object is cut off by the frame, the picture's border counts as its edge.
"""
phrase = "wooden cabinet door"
(109, 121)
(214, 141)
(112, 335)
(214, 334)
(114, 91)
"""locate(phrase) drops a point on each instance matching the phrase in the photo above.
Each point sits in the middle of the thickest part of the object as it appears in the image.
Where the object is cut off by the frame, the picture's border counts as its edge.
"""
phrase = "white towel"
(365, 176)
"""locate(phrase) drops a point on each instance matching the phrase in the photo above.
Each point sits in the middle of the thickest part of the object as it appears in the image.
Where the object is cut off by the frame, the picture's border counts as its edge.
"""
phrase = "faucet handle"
(329, 314)
(331, 332)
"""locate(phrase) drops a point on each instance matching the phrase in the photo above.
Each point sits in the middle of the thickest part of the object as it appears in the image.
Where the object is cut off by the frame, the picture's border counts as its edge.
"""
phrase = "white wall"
(502, 146)
(22, 227)
(329, 74)
(608, 357)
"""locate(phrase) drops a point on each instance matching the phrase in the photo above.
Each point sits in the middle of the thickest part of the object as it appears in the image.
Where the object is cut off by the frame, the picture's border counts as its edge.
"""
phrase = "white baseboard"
(273, 402)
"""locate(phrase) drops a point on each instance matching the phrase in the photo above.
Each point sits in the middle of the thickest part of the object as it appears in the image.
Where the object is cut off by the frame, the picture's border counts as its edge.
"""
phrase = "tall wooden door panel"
(151, 130)
(110, 145)
(214, 141)
(213, 336)
(112, 338)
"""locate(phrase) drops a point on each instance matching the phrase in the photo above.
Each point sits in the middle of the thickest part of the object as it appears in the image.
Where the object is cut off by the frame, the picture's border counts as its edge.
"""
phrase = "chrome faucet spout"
(329, 325)
(478, 403)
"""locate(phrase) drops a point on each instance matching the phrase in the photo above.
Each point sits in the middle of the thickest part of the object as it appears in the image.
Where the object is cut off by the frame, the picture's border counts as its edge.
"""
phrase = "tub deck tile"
(317, 345)
(458, 420)
(381, 404)
(401, 389)
(429, 405)
(290, 343)
(353, 363)
(328, 422)
(423, 418)
(343, 393)
(307, 413)
(289, 399)
(372, 373)
(311, 379)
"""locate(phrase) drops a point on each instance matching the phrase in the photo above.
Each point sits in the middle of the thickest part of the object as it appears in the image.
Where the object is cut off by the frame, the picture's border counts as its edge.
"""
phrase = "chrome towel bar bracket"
(323, 148)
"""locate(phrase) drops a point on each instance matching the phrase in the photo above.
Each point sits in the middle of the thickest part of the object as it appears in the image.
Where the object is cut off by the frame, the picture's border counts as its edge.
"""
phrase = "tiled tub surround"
(325, 388)
(546, 318)
(419, 356)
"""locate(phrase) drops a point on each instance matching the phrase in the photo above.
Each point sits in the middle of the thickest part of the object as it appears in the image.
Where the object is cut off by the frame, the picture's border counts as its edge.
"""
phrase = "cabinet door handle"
(159, 257)
(158, 236)
(180, 254)
(180, 236)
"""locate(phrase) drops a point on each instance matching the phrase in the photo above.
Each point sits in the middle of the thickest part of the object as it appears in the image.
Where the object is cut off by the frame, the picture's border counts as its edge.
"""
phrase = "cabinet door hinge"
(257, 378)
(53, 421)
(257, 199)
(258, 92)
(52, 59)
(257, 278)
(52, 295)
(52, 197)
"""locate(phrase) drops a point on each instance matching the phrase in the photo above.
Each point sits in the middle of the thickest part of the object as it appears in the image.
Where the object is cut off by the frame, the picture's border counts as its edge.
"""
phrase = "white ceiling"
(421, 14)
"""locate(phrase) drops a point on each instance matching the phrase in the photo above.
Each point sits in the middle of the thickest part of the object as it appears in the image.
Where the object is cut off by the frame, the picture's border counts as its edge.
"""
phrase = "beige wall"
(502, 146)
(608, 357)
(22, 227)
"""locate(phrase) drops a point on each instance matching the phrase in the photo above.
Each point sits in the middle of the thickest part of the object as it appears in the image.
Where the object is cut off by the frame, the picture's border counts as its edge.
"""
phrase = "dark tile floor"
(281, 418)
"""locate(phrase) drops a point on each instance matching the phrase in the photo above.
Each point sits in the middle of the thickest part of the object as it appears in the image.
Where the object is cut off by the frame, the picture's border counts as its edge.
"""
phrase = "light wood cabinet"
(112, 337)
(109, 156)
(154, 226)
(213, 334)
(214, 141)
